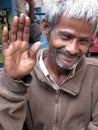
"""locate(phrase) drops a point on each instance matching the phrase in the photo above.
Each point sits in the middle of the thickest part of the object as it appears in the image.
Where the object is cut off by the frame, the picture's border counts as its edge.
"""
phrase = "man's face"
(69, 41)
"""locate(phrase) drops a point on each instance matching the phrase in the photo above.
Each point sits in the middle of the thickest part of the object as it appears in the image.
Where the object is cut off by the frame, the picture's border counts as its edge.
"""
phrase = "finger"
(21, 27)
(5, 38)
(13, 31)
(34, 49)
(26, 32)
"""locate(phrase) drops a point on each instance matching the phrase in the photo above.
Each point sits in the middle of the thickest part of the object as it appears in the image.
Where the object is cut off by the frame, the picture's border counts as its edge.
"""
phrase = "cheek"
(56, 42)
(84, 49)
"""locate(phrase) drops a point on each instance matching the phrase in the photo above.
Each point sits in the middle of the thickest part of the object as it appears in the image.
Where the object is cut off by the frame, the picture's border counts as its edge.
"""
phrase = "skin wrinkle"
(63, 78)
(73, 41)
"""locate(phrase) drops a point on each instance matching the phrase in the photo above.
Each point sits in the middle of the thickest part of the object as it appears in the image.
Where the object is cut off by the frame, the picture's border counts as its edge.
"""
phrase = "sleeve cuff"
(15, 86)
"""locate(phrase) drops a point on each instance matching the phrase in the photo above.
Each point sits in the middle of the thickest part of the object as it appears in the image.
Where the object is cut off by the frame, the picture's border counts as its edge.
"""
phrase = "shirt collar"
(42, 66)
(45, 71)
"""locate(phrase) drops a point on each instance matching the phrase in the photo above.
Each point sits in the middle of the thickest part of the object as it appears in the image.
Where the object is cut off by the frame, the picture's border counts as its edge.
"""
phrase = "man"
(26, 7)
(35, 31)
(20, 4)
(63, 83)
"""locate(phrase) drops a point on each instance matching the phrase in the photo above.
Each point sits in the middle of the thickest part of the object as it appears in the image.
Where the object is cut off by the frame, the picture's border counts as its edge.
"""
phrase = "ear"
(45, 28)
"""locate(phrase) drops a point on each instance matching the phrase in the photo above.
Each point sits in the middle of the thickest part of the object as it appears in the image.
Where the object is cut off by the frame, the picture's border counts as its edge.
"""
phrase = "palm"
(18, 59)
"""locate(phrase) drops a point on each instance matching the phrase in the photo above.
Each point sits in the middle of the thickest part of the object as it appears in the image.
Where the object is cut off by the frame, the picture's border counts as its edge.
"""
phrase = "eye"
(65, 37)
(84, 41)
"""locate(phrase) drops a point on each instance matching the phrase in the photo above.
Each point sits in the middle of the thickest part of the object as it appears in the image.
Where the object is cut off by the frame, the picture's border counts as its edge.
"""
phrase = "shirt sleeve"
(12, 102)
(93, 125)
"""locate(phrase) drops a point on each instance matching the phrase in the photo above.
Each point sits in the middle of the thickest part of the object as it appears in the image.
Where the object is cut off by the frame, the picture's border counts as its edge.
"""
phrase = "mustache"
(66, 53)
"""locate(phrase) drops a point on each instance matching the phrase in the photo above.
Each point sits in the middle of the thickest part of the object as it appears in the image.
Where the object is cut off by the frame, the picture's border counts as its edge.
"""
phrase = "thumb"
(34, 49)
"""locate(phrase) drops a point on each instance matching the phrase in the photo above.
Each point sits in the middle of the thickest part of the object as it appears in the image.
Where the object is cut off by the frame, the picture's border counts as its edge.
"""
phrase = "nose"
(72, 47)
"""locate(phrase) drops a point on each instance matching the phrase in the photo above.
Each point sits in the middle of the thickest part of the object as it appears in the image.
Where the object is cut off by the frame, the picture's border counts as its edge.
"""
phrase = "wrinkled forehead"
(77, 25)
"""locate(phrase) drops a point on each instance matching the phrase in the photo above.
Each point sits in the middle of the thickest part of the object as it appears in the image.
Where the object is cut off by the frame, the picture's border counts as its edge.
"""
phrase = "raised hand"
(19, 60)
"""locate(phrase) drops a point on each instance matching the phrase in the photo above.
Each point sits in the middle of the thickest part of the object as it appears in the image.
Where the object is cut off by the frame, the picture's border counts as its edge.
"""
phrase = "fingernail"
(22, 14)
(5, 28)
(27, 17)
(15, 17)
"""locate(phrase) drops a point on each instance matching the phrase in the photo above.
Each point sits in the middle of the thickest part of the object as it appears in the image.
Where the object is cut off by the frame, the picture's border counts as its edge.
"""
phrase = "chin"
(65, 66)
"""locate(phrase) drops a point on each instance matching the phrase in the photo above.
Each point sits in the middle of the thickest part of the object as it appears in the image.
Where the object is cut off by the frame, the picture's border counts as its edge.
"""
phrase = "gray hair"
(79, 9)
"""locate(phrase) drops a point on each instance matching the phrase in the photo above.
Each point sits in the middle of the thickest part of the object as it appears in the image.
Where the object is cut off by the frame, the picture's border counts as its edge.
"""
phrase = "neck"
(55, 71)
